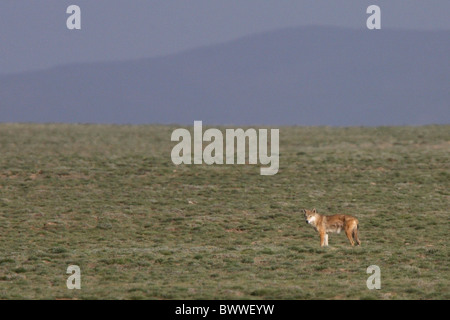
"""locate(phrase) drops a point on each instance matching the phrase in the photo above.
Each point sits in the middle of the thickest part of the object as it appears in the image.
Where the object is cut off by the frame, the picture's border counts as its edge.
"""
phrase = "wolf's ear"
(314, 210)
(303, 211)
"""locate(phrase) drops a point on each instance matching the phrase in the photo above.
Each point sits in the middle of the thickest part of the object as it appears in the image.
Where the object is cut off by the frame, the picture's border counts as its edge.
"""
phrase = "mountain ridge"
(292, 76)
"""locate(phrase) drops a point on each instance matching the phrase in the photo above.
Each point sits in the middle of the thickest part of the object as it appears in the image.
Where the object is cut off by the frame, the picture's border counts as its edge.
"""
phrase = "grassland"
(109, 199)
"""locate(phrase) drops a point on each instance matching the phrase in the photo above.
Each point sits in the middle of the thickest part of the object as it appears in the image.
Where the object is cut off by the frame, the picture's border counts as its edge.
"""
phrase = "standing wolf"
(334, 223)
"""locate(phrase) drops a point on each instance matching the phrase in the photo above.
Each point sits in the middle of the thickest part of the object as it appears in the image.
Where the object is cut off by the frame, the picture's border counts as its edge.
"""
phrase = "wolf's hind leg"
(355, 235)
(349, 234)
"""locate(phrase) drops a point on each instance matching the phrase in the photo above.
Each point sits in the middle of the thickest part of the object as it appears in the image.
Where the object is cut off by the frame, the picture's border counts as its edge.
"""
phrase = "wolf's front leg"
(322, 239)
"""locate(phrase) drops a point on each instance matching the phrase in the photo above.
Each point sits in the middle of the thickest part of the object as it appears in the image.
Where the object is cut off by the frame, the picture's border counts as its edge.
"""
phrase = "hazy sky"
(33, 34)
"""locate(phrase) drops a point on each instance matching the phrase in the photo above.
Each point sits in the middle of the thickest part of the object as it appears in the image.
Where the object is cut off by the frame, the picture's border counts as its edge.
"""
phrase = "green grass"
(109, 199)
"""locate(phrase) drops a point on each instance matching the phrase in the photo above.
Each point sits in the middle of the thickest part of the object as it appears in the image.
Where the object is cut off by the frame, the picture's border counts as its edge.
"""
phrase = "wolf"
(335, 223)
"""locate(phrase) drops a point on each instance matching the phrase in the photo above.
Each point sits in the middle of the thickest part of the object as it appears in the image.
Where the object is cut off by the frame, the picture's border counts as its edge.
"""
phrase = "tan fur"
(335, 223)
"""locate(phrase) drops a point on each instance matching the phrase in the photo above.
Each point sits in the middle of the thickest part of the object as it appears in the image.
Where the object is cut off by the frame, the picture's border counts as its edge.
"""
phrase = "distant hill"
(298, 76)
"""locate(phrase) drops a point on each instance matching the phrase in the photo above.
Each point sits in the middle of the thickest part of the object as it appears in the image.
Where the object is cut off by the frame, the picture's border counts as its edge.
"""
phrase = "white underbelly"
(334, 230)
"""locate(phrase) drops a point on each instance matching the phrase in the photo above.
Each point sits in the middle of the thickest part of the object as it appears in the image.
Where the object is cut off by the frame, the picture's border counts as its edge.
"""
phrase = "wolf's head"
(310, 216)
